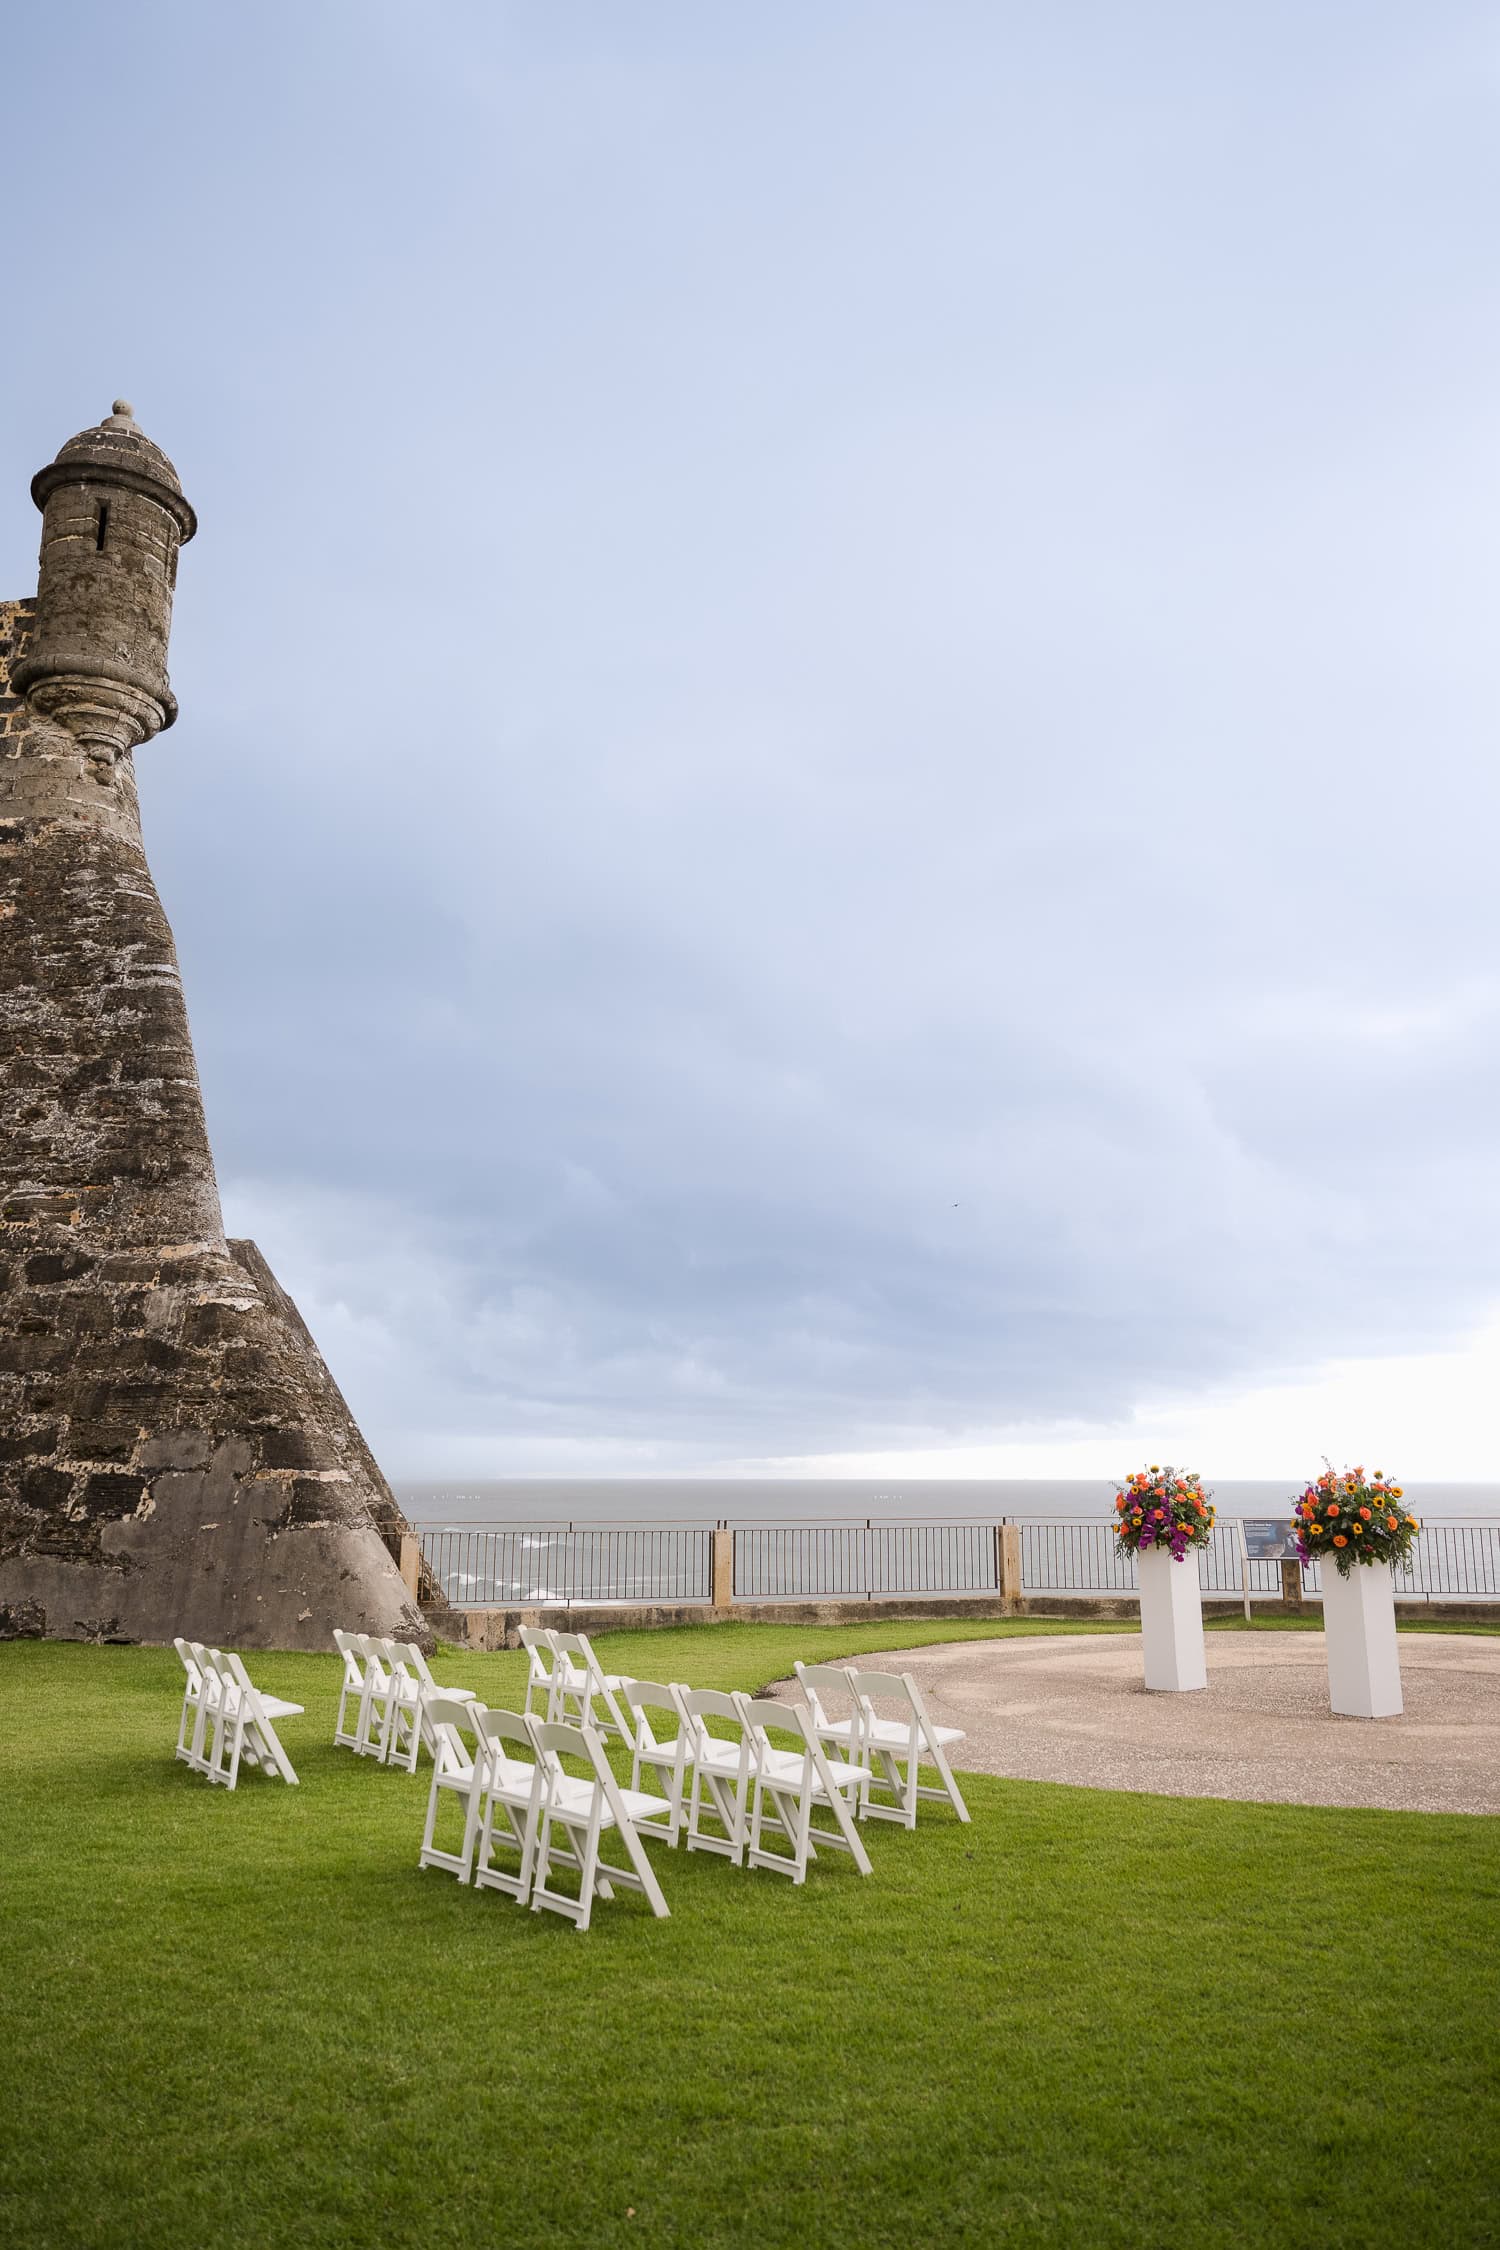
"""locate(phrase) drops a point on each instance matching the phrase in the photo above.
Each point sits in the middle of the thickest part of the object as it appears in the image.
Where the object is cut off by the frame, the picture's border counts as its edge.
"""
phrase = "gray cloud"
(837, 775)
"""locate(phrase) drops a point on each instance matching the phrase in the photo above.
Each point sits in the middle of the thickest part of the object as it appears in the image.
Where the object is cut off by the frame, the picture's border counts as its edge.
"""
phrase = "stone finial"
(120, 416)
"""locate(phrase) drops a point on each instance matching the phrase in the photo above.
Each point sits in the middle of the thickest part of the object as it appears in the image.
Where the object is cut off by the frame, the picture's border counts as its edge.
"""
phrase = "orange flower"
(1390, 1523)
(1339, 1540)
(1333, 1507)
(1365, 1513)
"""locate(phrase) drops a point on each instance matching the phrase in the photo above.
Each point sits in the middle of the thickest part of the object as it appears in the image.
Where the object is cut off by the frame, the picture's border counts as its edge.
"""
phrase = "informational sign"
(1269, 1542)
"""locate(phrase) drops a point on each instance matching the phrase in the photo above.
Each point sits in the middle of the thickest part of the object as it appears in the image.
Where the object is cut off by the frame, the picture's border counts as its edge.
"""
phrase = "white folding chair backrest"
(508, 1787)
(189, 1736)
(541, 1664)
(377, 1684)
(788, 1782)
(896, 1742)
(344, 1736)
(401, 1726)
(585, 1807)
(583, 1693)
(457, 1771)
(826, 1686)
(721, 1772)
(664, 1755)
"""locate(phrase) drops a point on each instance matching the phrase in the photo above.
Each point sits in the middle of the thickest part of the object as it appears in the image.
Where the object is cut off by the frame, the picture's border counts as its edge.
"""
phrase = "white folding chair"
(374, 1695)
(511, 1786)
(664, 1757)
(584, 1809)
(820, 1681)
(788, 1785)
(457, 1771)
(541, 1662)
(243, 1726)
(200, 1692)
(579, 1682)
(346, 1737)
(404, 1726)
(894, 1748)
(721, 1773)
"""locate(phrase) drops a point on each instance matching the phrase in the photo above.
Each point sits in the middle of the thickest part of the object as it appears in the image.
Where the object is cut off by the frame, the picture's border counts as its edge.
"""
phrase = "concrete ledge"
(500, 1628)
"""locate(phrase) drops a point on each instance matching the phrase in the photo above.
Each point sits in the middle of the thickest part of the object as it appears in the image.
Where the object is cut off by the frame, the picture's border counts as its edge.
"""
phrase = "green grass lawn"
(1085, 2019)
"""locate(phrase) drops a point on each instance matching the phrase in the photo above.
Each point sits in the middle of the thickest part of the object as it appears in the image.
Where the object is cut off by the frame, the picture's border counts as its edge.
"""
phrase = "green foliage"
(248, 2021)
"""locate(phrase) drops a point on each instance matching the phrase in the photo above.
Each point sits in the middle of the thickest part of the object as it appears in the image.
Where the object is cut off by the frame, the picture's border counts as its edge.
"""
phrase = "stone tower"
(174, 1455)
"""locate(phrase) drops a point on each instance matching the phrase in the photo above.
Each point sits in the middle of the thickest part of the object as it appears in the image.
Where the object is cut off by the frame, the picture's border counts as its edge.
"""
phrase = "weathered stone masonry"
(174, 1455)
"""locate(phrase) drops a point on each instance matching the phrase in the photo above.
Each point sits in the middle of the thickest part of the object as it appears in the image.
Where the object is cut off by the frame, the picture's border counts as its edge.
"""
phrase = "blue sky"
(836, 795)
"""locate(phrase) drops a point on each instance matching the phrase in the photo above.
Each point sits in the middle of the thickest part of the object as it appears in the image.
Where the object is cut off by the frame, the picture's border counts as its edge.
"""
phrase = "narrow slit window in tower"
(103, 525)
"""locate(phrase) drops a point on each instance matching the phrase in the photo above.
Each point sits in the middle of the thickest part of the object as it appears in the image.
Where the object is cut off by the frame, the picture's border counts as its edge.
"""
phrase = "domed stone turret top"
(117, 450)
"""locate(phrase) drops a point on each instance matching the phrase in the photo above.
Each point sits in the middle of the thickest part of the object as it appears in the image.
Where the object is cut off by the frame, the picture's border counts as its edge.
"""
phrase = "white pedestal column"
(1171, 1620)
(1359, 1631)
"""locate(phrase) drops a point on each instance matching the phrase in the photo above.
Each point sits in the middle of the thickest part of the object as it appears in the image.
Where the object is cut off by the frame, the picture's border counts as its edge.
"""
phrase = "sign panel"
(1269, 1542)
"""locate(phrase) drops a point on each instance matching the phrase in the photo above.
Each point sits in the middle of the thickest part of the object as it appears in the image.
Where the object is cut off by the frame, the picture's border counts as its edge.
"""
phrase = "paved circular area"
(1072, 1708)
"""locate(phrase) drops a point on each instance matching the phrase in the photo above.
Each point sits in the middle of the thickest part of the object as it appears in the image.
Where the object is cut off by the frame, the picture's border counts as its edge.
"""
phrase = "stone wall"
(174, 1455)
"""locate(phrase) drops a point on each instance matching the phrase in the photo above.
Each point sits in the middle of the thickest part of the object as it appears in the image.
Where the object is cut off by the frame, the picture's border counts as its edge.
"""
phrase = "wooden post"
(722, 1586)
(411, 1564)
(1008, 1544)
(1291, 1585)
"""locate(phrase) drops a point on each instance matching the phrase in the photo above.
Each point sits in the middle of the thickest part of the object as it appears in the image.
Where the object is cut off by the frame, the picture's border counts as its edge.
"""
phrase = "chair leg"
(940, 1760)
(644, 1871)
(848, 1830)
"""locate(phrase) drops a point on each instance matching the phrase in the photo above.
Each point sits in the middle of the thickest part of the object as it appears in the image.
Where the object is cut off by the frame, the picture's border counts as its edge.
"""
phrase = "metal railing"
(865, 1561)
(596, 1565)
(526, 1565)
(1454, 1561)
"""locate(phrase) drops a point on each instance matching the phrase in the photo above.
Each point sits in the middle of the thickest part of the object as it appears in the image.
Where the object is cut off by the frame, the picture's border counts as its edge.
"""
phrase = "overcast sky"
(838, 789)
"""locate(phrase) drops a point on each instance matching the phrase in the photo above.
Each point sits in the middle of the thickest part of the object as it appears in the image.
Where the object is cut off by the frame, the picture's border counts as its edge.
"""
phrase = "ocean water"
(809, 1500)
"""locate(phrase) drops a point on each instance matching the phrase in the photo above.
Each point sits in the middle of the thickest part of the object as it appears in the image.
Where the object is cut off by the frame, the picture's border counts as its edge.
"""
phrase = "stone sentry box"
(174, 1455)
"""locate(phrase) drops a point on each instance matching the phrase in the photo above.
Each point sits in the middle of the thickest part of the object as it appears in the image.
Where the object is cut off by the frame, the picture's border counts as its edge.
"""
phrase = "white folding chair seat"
(510, 1786)
(895, 1748)
(404, 1726)
(664, 1758)
(820, 1681)
(721, 1773)
(788, 1786)
(585, 1809)
(581, 1686)
(243, 1728)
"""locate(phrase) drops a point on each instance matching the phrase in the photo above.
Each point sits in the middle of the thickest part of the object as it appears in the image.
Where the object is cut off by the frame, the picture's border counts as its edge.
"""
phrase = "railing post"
(1008, 1560)
(721, 1586)
(411, 1564)
(1291, 1585)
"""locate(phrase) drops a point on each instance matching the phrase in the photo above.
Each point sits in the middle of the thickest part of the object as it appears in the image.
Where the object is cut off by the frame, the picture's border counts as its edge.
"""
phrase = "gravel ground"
(1074, 1710)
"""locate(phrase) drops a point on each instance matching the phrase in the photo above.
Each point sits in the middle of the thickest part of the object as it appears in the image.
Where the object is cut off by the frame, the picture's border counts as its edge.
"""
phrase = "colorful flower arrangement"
(1346, 1518)
(1162, 1508)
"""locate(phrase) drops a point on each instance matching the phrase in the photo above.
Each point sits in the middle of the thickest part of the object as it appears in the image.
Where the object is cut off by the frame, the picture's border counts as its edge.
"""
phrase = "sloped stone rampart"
(174, 1455)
